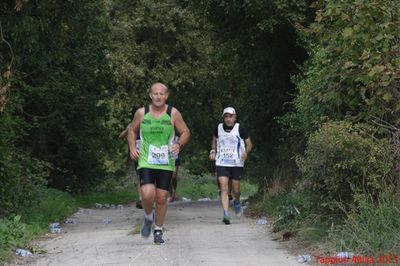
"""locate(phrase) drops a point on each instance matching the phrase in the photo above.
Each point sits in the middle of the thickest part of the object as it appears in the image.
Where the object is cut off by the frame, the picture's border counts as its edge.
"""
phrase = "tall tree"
(59, 73)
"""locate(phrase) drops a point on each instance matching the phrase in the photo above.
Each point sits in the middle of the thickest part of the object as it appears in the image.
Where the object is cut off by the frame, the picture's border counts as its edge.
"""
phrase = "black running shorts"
(231, 172)
(160, 178)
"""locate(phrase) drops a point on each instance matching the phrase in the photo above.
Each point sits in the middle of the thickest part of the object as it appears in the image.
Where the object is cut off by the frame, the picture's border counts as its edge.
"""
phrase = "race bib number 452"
(158, 155)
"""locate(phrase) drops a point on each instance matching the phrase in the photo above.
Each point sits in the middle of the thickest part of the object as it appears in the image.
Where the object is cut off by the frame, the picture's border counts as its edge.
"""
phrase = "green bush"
(16, 231)
(54, 206)
(21, 181)
(196, 186)
(342, 159)
(290, 208)
(13, 234)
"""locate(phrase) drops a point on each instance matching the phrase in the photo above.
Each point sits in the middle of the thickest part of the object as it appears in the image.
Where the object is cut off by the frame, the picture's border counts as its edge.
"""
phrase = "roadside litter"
(70, 221)
(344, 255)
(204, 199)
(107, 220)
(108, 206)
(23, 252)
(55, 228)
(83, 211)
(262, 220)
(304, 258)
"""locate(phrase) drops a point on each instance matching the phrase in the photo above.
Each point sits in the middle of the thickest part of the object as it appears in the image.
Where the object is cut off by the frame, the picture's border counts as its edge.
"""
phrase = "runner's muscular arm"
(123, 134)
(182, 128)
(133, 131)
(213, 148)
(249, 147)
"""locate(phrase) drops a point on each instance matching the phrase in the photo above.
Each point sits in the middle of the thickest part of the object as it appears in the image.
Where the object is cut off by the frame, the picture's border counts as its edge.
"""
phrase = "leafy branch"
(5, 83)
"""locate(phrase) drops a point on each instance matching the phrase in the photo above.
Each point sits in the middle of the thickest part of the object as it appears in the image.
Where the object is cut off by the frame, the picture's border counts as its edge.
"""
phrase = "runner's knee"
(161, 198)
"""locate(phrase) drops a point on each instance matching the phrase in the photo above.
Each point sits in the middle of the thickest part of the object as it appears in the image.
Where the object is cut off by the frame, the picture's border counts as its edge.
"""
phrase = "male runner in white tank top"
(230, 146)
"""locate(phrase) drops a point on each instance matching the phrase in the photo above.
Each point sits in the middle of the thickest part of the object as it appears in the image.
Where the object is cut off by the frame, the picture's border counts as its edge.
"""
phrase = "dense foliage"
(343, 161)
(346, 114)
(69, 90)
(315, 80)
(258, 52)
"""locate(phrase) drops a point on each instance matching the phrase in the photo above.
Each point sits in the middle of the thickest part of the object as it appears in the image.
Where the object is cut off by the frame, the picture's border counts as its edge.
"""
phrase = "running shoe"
(226, 220)
(158, 237)
(238, 209)
(146, 228)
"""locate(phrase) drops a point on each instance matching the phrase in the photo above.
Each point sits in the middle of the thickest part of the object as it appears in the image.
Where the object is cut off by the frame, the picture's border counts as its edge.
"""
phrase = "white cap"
(229, 110)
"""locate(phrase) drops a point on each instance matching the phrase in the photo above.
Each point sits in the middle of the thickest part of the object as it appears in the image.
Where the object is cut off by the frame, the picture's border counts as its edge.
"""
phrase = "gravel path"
(194, 235)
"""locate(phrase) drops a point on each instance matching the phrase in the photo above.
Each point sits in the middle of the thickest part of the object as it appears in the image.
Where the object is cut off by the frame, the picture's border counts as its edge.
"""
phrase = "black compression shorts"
(160, 178)
(231, 172)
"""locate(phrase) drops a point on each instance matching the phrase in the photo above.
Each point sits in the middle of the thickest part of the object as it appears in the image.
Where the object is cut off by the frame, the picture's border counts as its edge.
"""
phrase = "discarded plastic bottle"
(23, 252)
(344, 255)
(107, 220)
(70, 221)
(173, 141)
(55, 225)
(204, 199)
(262, 221)
(304, 258)
(55, 228)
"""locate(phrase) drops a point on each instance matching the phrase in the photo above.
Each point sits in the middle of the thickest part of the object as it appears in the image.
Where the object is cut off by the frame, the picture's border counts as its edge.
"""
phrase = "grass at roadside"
(122, 195)
(18, 230)
(205, 186)
(373, 229)
(294, 212)
(370, 229)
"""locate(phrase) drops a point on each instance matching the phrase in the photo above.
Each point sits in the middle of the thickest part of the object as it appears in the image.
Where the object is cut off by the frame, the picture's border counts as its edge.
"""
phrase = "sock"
(226, 214)
(156, 227)
(149, 216)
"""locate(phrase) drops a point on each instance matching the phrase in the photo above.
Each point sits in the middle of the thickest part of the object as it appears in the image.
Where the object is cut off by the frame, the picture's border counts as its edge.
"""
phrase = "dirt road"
(194, 235)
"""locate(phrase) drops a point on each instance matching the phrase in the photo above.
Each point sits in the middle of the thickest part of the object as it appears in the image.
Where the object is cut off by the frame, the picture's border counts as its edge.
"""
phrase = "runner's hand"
(175, 148)
(134, 153)
(244, 156)
(212, 155)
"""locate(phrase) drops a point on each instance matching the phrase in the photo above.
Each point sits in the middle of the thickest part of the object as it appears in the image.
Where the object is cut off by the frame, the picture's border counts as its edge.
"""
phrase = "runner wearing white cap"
(230, 146)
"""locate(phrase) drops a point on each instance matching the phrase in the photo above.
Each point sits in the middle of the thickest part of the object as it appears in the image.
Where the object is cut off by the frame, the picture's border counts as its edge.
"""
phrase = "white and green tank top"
(155, 134)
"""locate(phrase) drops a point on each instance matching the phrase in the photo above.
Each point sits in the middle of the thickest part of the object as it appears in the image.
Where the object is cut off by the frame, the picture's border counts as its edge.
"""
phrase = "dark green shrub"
(342, 159)
(21, 181)
(13, 234)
